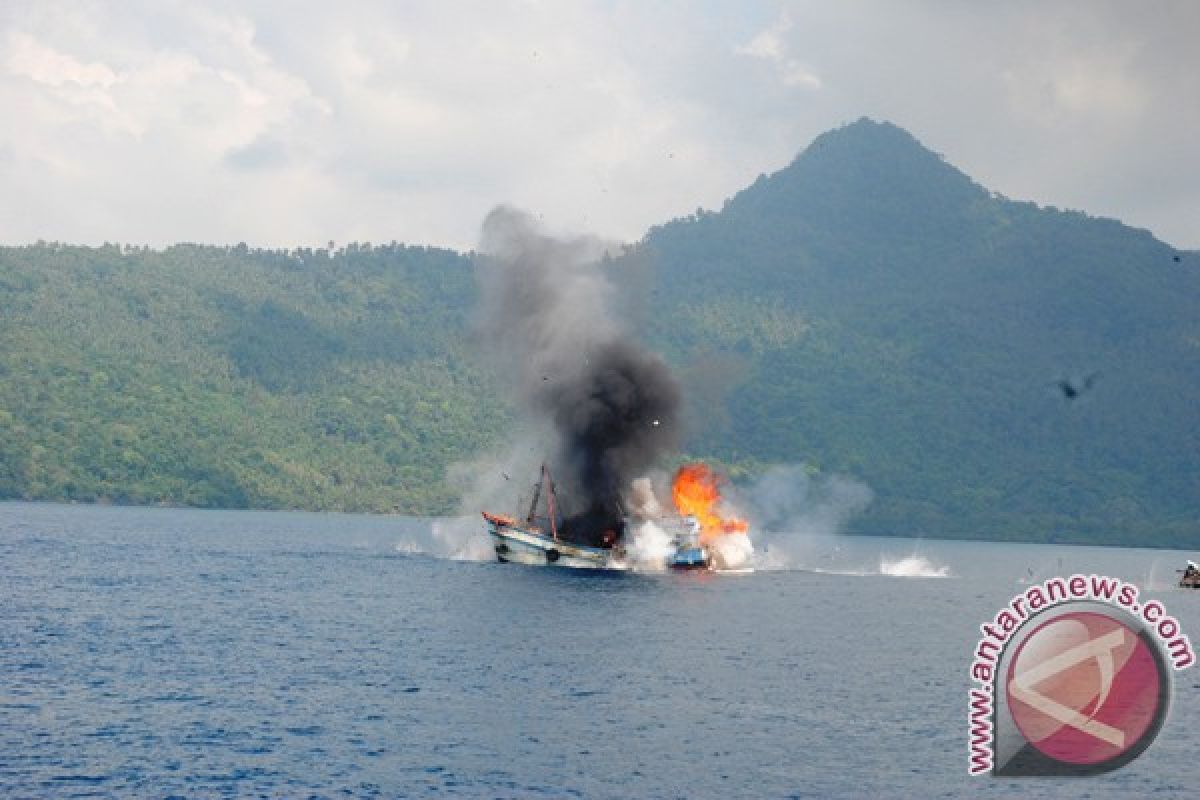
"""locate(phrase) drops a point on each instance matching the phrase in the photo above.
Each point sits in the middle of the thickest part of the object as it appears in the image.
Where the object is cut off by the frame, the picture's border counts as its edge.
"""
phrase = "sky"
(286, 124)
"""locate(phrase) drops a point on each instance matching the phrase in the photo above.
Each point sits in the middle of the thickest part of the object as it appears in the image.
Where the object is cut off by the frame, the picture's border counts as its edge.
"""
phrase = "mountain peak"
(856, 171)
(865, 134)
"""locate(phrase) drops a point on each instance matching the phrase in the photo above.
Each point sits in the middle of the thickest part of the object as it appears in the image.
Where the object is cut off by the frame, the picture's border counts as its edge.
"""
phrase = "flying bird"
(1072, 390)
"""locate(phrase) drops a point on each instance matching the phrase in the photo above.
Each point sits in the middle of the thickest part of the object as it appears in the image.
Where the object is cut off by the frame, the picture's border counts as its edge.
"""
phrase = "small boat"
(687, 558)
(536, 539)
(1191, 576)
(689, 553)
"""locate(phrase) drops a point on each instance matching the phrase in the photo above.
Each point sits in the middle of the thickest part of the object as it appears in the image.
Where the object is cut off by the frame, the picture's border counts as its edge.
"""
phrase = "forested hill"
(868, 310)
(229, 377)
(895, 321)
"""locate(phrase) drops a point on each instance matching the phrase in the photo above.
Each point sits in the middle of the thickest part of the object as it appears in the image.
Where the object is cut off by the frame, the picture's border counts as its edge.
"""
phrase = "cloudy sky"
(296, 123)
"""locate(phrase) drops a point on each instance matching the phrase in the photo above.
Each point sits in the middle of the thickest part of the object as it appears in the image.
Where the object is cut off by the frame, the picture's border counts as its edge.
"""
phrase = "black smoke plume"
(547, 322)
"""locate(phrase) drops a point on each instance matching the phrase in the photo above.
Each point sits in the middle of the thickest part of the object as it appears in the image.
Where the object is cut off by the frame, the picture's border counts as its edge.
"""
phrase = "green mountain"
(879, 314)
(229, 377)
(867, 310)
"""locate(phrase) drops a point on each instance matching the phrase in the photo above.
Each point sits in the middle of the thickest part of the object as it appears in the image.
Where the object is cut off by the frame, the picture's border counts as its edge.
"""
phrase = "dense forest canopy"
(230, 377)
(868, 310)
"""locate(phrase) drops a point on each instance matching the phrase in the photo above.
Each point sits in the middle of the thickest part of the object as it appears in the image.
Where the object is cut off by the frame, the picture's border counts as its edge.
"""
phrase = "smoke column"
(546, 322)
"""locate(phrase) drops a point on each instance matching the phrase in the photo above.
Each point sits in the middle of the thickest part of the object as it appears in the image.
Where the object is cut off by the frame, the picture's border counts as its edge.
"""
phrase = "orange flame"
(696, 491)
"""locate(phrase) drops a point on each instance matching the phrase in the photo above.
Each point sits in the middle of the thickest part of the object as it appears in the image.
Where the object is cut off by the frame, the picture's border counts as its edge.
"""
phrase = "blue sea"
(160, 652)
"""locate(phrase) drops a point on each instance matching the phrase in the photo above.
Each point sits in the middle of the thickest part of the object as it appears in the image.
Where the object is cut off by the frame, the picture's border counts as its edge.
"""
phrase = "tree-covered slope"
(240, 378)
(889, 318)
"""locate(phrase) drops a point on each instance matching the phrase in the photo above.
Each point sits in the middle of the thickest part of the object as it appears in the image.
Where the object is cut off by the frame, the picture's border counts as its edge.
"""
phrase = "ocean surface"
(156, 653)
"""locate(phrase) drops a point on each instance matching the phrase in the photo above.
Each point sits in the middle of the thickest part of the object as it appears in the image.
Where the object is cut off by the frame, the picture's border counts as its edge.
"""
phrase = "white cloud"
(771, 46)
(768, 43)
(30, 58)
(296, 123)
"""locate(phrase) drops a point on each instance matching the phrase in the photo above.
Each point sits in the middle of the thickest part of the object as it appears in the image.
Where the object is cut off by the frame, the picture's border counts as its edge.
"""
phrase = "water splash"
(842, 556)
(913, 566)
(455, 538)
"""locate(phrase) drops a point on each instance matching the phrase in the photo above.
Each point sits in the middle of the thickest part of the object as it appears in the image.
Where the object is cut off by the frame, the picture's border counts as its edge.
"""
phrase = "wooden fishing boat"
(536, 540)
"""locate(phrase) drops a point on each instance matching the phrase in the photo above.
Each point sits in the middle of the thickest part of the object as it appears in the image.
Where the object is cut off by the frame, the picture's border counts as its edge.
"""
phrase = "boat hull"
(518, 545)
(525, 543)
(691, 558)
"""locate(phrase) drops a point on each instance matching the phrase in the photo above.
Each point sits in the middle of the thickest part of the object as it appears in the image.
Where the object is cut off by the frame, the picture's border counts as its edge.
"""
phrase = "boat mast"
(550, 501)
(537, 494)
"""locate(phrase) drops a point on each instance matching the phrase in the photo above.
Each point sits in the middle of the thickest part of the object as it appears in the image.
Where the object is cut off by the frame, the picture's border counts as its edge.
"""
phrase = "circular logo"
(1085, 688)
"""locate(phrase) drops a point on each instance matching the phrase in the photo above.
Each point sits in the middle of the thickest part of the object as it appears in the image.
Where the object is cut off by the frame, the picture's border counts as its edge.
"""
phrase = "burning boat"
(690, 553)
(540, 539)
(690, 540)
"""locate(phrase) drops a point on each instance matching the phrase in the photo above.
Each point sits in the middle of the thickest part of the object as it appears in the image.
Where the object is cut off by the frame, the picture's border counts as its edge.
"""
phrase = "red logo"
(1084, 688)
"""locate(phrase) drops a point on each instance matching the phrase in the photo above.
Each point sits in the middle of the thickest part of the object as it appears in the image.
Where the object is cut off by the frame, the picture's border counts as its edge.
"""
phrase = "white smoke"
(642, 500)
(790, 506)
(648, 547)
(732, 551)
(495, 482)
(791, 498)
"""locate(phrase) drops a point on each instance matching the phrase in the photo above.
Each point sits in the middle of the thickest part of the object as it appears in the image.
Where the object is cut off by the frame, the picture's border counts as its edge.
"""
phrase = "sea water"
(155, 652)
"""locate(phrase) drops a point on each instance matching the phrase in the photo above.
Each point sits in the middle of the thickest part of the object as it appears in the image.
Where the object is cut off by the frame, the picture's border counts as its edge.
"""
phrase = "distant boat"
(1191, 576)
